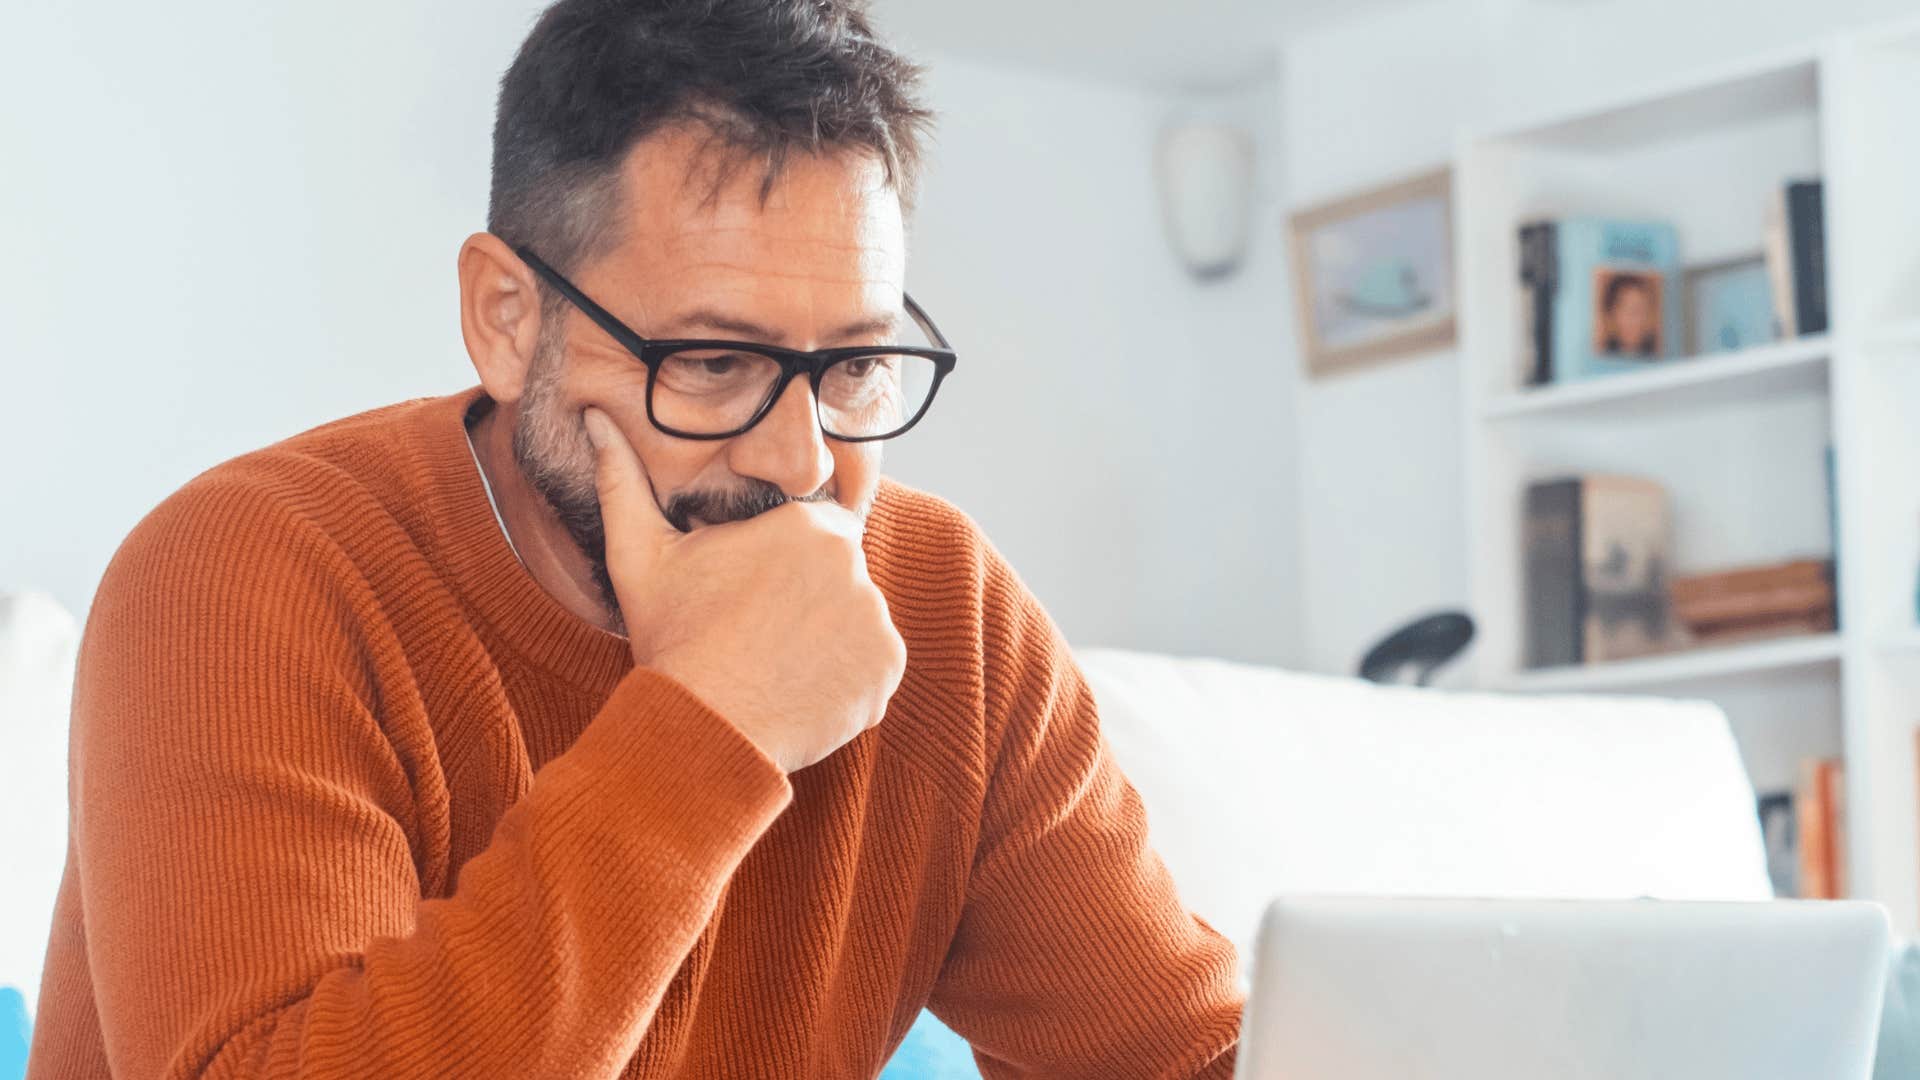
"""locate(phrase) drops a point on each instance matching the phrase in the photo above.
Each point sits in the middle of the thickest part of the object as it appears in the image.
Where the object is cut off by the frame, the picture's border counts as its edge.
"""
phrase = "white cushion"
(1259, 782)
(37, 644)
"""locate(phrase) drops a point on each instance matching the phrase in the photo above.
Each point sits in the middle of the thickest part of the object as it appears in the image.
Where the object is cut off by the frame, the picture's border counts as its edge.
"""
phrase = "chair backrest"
(1259, 781)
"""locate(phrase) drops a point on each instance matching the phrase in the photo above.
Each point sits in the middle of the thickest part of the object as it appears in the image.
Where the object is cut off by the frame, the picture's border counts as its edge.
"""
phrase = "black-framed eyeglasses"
(700, 388)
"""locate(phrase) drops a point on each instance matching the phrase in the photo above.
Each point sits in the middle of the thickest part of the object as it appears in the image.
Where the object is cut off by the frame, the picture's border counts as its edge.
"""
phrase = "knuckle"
(841, 554)
(833, 517)
(882, 613)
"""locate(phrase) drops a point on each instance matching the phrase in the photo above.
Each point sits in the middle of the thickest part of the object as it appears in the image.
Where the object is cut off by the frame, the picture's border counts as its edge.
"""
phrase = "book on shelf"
(1754, 580)
(1780, 836)
(1914, 554)
(1539, 283)
(1596, 552)
(1780, 602)
(1767, 601)
(1796, 253)
(1600, 296)
(1805, 832)
(1820, 813)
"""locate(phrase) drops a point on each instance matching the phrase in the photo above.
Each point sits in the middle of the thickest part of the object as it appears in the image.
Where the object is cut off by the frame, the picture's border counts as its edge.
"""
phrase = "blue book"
(1617, 302)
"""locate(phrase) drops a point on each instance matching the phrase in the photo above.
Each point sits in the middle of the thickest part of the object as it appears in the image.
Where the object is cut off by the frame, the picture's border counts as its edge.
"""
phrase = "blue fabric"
(931, 1051)
(1900, 1024)
(16, 1034)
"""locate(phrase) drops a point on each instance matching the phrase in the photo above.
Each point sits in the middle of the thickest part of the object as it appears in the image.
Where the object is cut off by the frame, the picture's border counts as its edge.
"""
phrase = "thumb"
(626, 492)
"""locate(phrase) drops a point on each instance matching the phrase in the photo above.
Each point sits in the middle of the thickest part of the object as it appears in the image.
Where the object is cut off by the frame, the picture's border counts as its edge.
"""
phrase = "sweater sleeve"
(1074, 956)
(245, 826)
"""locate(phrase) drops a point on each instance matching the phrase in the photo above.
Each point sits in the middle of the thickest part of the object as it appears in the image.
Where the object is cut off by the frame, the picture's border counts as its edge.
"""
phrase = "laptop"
(1378, 989)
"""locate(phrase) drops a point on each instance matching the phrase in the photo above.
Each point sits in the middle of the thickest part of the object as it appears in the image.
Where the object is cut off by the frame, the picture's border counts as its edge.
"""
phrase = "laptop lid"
(1375, 989)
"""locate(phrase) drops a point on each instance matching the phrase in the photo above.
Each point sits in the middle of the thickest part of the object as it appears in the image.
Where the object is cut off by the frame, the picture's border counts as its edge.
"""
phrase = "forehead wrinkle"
(760, 230)
(743, 260)
(778, 272)
(711, 308)
(861, 261)
(725, 323)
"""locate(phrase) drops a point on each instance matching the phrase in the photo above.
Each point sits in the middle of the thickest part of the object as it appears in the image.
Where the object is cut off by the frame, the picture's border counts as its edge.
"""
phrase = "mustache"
(751, 499)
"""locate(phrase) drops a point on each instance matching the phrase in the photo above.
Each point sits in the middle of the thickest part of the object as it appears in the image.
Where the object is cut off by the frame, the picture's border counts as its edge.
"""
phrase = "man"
(614, 718)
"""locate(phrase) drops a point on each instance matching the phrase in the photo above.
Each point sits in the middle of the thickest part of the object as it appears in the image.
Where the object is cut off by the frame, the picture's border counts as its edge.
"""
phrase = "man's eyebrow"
(719, 322)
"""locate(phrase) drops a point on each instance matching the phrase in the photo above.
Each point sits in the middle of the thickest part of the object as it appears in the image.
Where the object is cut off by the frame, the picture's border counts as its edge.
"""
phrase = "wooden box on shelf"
(1756, 602)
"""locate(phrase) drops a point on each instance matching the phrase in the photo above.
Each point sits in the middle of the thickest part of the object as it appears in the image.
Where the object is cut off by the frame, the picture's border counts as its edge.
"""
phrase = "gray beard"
(551, 448)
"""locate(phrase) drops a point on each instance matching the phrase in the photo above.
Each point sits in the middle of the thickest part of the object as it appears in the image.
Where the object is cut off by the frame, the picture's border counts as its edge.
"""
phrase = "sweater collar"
(474, 552)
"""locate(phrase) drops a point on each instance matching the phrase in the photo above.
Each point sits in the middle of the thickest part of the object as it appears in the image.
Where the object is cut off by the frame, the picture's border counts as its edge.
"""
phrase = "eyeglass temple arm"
(920, 316)
(600, 316)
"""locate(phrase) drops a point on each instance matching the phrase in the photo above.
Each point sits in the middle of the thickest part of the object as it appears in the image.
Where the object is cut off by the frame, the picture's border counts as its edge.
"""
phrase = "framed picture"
(1373, 275)
(1730, 306)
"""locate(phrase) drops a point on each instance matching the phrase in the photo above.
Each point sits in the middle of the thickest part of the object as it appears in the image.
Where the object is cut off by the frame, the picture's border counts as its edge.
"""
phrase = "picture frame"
(1373, 275)
(1729, 306)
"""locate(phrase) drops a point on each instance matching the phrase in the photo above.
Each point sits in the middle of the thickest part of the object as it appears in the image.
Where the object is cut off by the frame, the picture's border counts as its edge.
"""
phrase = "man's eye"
(712, 365)
(717, 372)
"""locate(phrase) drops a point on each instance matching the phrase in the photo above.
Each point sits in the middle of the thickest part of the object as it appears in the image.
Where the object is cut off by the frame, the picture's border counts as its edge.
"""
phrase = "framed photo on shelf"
(1373, 275)
(1730, 306)
(1628, 320)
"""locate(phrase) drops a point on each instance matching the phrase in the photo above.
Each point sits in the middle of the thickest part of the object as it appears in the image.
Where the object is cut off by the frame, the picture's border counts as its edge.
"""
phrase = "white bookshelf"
(1738, 439)
(1762, 372)
(1672, 673)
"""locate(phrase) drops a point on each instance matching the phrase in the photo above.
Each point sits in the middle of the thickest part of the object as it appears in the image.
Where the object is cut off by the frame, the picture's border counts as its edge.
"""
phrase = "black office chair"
(1423, 646)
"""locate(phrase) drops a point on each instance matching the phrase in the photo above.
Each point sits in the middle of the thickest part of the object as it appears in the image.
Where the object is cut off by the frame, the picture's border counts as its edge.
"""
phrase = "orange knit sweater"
(353, 797)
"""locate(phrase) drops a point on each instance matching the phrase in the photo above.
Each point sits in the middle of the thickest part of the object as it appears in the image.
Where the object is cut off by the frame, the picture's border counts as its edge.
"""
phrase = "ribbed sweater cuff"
(673, 769)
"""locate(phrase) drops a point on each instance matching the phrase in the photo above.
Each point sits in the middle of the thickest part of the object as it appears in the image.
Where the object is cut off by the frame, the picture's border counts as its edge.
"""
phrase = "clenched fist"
(772, 621)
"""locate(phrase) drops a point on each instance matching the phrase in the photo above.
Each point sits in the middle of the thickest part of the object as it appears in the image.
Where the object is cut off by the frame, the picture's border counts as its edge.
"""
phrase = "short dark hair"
(766, 78)
(1618, 285)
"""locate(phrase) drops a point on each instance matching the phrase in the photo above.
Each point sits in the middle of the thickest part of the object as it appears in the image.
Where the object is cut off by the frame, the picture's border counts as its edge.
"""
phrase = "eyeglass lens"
(718, 391)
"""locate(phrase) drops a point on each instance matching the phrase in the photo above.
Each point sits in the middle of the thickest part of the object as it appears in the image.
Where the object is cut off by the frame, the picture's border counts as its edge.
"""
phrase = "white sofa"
(38, 639)
(1259, 781)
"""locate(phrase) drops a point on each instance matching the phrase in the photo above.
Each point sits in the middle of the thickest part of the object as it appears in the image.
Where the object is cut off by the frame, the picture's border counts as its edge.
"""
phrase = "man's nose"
(786, 448)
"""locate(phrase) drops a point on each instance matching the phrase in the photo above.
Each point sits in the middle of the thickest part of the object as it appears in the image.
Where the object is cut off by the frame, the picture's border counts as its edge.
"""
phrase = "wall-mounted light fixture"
(1206, 194)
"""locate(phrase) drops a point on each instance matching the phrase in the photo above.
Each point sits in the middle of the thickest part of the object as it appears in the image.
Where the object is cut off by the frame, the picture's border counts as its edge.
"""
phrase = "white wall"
(229, 221)
(1121, 432)
(1381, 490)
(226, 222)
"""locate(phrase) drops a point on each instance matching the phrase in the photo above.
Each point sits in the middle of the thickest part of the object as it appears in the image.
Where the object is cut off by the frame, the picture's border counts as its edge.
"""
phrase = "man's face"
(821, 263)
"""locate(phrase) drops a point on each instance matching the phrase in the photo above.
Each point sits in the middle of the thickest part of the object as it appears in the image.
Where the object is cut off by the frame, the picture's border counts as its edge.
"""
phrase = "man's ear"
(499, 315)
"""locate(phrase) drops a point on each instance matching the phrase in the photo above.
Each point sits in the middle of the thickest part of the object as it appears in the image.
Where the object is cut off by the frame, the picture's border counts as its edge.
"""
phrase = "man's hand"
(772, 621)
